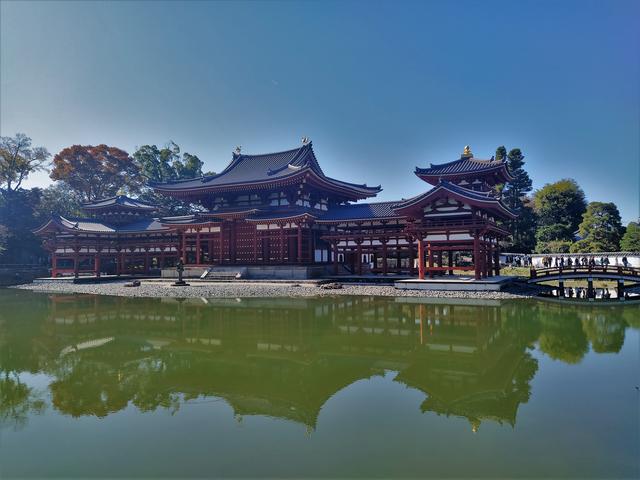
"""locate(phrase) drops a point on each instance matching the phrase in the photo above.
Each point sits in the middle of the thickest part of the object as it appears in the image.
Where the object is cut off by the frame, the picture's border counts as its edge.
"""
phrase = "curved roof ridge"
(471, 159)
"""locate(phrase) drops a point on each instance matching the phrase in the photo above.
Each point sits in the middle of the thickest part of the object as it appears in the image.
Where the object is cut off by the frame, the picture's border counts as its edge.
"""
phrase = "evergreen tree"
(631, 239)
(514, 195)
(559, 207)
(600, 229)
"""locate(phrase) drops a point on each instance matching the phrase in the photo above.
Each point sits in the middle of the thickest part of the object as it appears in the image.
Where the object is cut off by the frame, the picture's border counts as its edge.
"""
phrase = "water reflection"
(286, 358)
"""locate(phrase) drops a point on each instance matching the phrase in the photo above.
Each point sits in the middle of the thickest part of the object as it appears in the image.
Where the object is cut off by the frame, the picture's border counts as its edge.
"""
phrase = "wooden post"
(490, 259)
(96, 264)
(335, 257)
(476, 257)
(359, 256)
(76, 263)
(450, 262)
(221, 244)
(385, 265)
(299, 243)
(255, 244)
(420, 258)
(184, 247)
(198, 251)
(430, 260)
(496, 260)
(411, 257)
(281, 243)
(54, 263)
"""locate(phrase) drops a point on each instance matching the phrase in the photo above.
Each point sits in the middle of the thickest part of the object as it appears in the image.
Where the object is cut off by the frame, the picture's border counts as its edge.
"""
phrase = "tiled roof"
(245, 169)
(360, 211)
(118, 201)
(95, 226)
(485, 197)
(462, 165)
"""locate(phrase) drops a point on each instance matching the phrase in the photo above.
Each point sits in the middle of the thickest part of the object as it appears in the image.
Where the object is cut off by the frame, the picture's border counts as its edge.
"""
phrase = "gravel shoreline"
(157, 289)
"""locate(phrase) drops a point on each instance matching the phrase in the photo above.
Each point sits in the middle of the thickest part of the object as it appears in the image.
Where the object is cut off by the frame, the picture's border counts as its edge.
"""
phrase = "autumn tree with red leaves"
(96, 172)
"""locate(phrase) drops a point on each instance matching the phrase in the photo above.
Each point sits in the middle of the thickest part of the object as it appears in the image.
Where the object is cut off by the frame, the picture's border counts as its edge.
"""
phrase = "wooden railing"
(586, 270)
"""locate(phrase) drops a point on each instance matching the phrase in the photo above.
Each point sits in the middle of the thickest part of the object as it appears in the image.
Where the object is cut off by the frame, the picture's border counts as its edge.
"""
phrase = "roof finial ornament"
(467, 152)
(120, 192)
(305, 140)
(238, 149)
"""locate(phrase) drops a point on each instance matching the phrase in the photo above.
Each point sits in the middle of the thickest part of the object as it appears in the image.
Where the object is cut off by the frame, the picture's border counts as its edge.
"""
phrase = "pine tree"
(514, 194)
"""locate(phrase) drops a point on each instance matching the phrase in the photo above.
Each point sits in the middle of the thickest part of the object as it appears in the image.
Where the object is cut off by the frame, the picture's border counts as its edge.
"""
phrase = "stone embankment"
(264, 289)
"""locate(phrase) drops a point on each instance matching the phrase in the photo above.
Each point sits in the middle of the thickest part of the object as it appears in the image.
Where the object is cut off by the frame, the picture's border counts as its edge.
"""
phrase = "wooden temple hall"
(281, 210)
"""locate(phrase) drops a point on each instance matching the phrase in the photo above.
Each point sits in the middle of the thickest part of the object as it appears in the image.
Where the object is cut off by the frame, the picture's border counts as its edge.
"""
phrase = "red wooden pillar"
(96, 264)
(335, 257)
(359, 256)
(410, 250)
(221, 244)
(281, 243)
(184, 247)
(76, 263)
(420, 258)
(385, 265)
(255, 244)
(299, 243)
(450, 262)
(483, 258)
(198, 246)
(146, 260)
(430, 260)
(54, 263)
(233, 235)
(490, 259)
(476, 257)
(496, 260)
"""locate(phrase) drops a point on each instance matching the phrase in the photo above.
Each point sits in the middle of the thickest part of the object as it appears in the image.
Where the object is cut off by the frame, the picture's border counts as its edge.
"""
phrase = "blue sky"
(379, 87)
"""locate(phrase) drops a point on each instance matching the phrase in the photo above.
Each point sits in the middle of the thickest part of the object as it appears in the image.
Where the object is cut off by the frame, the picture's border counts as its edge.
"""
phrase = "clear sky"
(379, 87)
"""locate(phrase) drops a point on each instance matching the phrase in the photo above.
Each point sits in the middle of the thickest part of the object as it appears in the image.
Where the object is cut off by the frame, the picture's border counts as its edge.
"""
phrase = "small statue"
(467, 151)
(180, 268)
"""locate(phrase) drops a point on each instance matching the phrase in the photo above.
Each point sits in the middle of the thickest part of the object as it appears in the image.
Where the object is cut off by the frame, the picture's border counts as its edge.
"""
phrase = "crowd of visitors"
(577, 261)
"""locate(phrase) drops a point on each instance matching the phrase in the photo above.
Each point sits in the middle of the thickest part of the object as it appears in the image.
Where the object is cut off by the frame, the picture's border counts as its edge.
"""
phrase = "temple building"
(280, 210)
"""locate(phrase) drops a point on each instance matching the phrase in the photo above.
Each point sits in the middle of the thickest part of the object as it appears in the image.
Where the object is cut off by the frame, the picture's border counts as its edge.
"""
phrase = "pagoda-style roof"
(85, 225)
(360, 211)
(267, 171)
(464, 167)
(119, 202)
(484, 200)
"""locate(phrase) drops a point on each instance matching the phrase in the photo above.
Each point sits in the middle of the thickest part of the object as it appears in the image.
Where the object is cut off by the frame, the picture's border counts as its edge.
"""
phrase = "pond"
(96, 386)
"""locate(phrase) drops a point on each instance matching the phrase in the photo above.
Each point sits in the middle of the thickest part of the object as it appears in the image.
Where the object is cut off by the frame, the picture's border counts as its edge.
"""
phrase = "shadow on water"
(285, 358)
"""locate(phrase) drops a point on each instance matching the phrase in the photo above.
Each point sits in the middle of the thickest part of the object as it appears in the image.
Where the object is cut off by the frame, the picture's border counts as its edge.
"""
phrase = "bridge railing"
(617, 270)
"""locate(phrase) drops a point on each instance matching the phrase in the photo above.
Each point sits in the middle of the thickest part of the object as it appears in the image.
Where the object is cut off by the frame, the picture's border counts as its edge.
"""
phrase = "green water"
(333, 387)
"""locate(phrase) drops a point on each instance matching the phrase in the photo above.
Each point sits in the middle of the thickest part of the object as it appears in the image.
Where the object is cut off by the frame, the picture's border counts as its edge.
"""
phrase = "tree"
(4, 236)
(600, 229)
(17, 214)
(58, 199)
(96, 172)
(631, 239)
(18, 159)
(514, 195)
(166, 165)
(559, 207)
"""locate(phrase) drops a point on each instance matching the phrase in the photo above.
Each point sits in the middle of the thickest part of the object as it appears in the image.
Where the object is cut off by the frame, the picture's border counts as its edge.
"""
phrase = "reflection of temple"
(264, 359)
